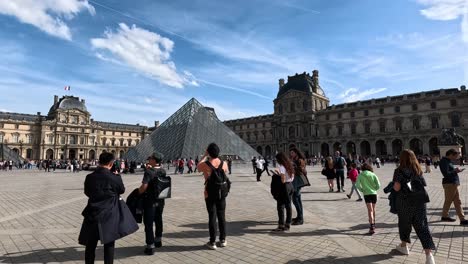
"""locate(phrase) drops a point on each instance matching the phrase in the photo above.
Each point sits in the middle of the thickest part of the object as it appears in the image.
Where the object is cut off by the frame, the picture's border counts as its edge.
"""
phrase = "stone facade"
(67, 132)
(382, 127)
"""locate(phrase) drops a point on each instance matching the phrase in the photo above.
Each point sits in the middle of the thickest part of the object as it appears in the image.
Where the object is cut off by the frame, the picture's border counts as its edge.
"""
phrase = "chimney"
(156, 123)
(83, 101)
(38, 113)
(281, 83)
(55, 99)
(463, 88)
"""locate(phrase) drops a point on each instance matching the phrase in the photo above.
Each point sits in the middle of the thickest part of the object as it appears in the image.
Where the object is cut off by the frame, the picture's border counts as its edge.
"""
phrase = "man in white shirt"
(259, 167)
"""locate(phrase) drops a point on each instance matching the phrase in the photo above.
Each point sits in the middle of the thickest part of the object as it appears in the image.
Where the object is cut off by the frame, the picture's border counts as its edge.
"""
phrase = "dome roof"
(301, 82)
(69, 103)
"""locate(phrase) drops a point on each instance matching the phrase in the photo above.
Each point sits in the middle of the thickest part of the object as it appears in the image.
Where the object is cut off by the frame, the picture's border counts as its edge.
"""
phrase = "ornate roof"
(303, 83)
(69, 103)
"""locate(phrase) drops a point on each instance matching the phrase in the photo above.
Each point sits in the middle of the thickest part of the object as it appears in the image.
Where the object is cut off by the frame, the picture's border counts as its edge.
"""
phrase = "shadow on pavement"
(357, 260)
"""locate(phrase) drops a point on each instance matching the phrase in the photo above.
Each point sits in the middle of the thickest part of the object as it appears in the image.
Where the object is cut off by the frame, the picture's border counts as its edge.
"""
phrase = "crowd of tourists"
(107, 218)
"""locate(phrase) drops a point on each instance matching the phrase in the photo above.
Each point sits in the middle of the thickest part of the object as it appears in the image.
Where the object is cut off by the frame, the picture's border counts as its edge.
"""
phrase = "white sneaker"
(211, 246)
(223, 243)
(430, 259)
(403, 250)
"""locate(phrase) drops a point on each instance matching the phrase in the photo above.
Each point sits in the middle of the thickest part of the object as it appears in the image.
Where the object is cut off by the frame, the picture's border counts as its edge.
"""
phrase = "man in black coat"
(105, 218)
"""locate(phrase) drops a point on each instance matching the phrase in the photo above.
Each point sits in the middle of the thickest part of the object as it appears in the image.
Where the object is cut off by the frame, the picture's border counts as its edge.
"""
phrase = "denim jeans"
(340, 176)
(216, 209)
(298, 203)
(285, 203)
(353, 188)
(153, 214)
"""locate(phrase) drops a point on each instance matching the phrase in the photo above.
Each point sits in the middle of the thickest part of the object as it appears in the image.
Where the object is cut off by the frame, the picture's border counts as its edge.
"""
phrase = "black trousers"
(416, 217)
(90, 250)
(265, 168)
(216, 209)
(259, 173)
(340, 176)
(152, 214)
(285, 204)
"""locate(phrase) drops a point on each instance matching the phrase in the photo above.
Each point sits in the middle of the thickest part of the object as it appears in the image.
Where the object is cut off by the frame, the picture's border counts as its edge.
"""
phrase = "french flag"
(67, 88)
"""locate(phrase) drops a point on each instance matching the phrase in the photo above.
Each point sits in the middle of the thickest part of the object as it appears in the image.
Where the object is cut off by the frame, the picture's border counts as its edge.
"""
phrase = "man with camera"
(451, 184)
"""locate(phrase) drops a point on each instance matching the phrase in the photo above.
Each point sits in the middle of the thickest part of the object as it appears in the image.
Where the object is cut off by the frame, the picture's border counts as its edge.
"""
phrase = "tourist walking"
(190, 165)
(329, 172)
(353, 175)
(411, 200)
(254, 164)
(428, 163)
(265, 166)
(451, 184)
(300, 180)
(259, 167)
(106, 216)
(285, 191)
(368, 183)
(152, 206)
(217, 187)
(196, 164)
(229, 162)
(340, 165)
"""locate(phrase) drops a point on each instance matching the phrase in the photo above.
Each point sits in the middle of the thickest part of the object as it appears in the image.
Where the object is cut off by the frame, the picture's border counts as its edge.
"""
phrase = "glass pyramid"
(187, 133)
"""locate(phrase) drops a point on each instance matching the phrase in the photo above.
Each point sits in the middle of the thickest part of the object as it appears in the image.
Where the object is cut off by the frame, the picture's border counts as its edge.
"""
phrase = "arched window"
(455, 119)
(292, 132)
(293, 108)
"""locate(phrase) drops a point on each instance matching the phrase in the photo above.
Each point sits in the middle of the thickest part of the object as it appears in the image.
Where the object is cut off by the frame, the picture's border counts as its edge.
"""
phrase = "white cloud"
(47, 15)
(145, 51)
(447, 10)
(354, 94)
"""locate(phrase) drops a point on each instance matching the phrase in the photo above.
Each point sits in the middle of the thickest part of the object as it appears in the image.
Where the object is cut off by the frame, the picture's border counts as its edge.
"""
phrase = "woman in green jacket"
(368, 183)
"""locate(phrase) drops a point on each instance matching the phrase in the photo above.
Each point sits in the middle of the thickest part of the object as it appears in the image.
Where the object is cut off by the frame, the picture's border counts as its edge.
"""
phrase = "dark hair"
(353, 165)
(213, 150)
(408, 160)
(282, 159)
(367, 167)
(106, 158)
(299, 153)
(451, 152)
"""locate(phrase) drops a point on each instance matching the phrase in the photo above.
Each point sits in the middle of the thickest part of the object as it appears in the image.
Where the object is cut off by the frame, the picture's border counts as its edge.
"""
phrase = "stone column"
(425, 143)
(372, 147)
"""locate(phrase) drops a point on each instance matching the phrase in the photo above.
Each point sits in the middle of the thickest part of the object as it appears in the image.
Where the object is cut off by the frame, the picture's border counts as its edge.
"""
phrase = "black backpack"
(218, 184)
(160, 185)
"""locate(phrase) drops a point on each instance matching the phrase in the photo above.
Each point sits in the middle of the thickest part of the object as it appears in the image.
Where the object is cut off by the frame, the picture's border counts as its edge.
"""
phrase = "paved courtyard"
(40, 218)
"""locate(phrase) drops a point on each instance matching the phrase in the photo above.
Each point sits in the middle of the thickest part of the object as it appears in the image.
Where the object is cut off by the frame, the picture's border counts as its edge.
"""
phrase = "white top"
(260, 164)
(282, 170)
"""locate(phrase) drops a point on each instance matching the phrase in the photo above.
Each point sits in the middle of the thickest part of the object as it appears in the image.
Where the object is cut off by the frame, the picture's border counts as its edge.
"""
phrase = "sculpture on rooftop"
(449, 137)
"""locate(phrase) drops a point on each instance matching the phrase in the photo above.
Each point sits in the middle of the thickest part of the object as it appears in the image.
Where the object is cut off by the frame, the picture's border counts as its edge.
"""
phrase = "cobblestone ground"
(40, 218)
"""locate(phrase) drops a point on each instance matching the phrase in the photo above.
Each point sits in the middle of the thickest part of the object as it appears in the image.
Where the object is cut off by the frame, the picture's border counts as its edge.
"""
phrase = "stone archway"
(336, 146)
(325, 150)
(72, 154)
(365, 148)
(49, 154)
(416, 146)
(433, 146)
(260, 150)
(397, 147)
(380, 148)
(92, 154)
(351, 148)
(268, 151)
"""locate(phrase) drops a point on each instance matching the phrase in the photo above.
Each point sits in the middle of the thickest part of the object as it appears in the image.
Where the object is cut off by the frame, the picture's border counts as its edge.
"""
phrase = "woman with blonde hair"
(329, 172)
(411, 202)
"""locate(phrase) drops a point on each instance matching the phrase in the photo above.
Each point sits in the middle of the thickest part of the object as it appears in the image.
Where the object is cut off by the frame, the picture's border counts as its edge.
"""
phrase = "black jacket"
(448, 170)
(106, 216)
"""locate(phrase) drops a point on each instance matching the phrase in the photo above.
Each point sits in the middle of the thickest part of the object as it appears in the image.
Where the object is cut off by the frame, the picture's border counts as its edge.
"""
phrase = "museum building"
(66, 132)
(383, 127)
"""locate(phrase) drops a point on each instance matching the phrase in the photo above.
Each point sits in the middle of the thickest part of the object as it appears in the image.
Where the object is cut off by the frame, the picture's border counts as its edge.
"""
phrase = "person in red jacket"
(353, 174)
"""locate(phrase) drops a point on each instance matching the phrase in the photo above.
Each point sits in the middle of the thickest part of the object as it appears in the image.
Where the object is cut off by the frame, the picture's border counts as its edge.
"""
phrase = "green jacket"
(368, 183)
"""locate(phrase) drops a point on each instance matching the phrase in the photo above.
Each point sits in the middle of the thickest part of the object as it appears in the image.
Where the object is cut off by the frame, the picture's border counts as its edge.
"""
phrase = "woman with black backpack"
(284, 196)
(411, 202)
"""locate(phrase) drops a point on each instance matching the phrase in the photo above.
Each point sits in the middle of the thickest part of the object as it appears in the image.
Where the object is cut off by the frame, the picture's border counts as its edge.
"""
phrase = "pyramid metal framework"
(187, 133)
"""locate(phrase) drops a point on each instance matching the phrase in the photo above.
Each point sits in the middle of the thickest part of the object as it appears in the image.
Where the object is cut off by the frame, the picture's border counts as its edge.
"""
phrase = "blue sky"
(139, 61)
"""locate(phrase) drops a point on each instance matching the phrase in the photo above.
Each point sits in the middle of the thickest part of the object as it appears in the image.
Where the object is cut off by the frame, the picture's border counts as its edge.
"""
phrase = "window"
(381, 111)
(29, 153)
(129, 142)
(382, 126)
(366, 112)
(292, 132)
(280, 109)
(2, 137)
(15, 138)
(352, 114)
(81, 140)
(455, 119)
(397, 109)
(103, 141)
(434, 122)
(91, 140)
(327, 131)
(293, 108)
(416, 124)
(414, 107)
(113, 142)
(353, 129)
(72, 140)
(340, 130)
(453, 102)
(339, 115)
(398, 125)
(16, 126)
(367, 127)
(305, 106)
(74, 119)
(2, 125)
(62, 140)
(113, 133)
(433, 105)
(28, 139)
(121, 133)
(327, 117)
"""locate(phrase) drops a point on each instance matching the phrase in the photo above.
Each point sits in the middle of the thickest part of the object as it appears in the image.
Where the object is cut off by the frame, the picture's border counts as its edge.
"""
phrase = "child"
(368, 183)
(353, 175)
